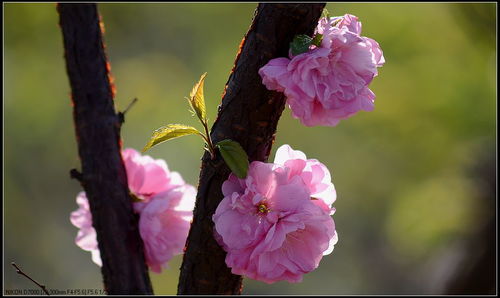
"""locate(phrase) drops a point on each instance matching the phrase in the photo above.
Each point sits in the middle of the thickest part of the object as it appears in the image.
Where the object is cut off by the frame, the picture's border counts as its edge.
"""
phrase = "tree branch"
(97, 129)
(249, 114)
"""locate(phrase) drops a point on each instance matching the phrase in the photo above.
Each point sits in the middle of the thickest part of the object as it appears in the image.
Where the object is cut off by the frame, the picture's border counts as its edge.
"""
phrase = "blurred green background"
(411, 176)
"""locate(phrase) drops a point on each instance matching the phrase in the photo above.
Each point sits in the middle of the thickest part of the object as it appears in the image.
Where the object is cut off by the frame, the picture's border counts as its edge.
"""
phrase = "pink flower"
(268, 223)
(165, 210)
(164, 225)
(330, 82)
(86, 238)
(147, 176)
(314, 174)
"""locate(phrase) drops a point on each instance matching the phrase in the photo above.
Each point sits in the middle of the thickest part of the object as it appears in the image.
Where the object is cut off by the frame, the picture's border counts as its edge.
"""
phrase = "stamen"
(262, 208)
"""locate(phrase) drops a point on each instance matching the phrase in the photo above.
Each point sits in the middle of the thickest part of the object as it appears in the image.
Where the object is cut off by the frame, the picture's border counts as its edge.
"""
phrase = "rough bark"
(103, 175)
(248, 114)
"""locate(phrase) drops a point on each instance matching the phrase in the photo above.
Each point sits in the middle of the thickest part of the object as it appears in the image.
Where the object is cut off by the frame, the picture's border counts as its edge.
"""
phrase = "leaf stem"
(209, 141)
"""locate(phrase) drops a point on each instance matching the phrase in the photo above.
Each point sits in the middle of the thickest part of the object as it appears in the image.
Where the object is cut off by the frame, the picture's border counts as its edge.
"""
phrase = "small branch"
(130, 105)
(121, 115)
(75, 174)
(19, 271)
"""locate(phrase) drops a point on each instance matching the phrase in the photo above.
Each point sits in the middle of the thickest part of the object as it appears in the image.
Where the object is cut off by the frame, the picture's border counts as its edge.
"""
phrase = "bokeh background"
(415, 177)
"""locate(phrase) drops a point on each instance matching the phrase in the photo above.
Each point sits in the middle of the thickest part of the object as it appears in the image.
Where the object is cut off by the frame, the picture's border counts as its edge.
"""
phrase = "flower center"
(262, 208)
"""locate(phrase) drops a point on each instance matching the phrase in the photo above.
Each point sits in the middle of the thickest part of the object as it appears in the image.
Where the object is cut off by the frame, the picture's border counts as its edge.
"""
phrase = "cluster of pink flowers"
(165, 210)
(276, 223)
(330, 81)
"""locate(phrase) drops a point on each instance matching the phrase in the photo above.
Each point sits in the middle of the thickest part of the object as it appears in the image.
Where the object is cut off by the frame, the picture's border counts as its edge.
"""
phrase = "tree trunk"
(99, 146)
(248, 114)
(475, 273)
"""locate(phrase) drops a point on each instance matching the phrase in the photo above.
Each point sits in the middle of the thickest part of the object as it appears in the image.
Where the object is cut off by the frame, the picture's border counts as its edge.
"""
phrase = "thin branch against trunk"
(249, 114)
(98, 135)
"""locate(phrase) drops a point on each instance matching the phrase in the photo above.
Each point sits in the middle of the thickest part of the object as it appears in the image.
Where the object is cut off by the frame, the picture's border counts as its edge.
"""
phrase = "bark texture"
(103, 176)
(248, 114)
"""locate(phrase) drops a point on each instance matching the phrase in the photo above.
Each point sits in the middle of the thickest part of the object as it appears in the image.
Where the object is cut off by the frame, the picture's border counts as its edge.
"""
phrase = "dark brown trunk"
(476, 271)
(103, 174)
(248, 114)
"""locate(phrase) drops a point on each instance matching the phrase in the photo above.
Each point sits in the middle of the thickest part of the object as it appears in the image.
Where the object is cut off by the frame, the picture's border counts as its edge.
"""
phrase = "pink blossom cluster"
(276, 223)
(330, 81)
(165, 209)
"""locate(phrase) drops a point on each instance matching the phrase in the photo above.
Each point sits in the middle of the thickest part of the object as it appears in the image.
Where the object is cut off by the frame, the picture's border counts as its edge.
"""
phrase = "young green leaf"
(197, 100)
(325, 13)
(235, 157)
(169, 132)
(300, 44)
(317, 39)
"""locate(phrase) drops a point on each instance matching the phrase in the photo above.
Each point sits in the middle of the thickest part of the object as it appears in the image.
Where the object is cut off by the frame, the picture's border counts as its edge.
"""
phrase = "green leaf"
(325, 13)
(235, 157)
(300, 44)
(197, 100)
(169, 132)
(317, 39)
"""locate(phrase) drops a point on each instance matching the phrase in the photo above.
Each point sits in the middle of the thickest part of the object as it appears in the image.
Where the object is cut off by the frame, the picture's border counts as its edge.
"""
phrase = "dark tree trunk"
(248, 114)
(98, 135)
(475, 273)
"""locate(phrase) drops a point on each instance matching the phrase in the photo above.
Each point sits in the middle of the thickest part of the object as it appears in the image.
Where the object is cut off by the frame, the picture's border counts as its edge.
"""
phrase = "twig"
(75, 174)
(19, 271)
(130, 105)
(121, 115)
